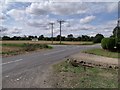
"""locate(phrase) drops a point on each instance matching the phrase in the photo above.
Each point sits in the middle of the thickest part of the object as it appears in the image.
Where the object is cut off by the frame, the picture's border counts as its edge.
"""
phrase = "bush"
(32, 47)
(103, 43)
(108, 43)
(111, 44)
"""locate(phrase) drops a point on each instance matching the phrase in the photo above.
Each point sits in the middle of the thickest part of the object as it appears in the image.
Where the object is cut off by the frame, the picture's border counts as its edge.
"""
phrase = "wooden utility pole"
(60, 22)
(52, 31)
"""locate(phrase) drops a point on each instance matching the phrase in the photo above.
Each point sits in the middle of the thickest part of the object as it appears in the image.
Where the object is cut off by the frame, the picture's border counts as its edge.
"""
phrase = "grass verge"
(15, 49)
(102, 52)
(68, 76)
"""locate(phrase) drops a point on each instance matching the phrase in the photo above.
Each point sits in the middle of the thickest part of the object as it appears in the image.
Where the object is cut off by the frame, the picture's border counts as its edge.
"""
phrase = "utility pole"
(60, 22)
(118, 24)
(52, 31)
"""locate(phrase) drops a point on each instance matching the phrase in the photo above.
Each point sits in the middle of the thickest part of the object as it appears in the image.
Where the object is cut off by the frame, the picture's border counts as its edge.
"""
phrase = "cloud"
(2, 16)
(56, 8)
(36, 24)
(16, 14)
(87, 19)
(112, 7)
(10, 31)
(15, 30)
(3, 29)
(38, 8)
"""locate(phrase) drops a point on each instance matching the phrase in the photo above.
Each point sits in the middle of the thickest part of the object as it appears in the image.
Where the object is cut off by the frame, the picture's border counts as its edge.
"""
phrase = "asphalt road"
(29, 70)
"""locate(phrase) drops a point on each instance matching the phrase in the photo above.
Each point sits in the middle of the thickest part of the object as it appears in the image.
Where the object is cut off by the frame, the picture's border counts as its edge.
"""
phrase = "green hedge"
(108, 43)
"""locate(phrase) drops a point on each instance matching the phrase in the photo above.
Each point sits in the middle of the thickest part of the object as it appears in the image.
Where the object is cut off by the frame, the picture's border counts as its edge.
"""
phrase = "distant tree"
(85, 38)
(30, 37)
(35, 36)
(98, 38)
(5, 38)
(70, 37)
(41, 37)
(63, 38)
(58, 38)
(79, 38)
(16, 38)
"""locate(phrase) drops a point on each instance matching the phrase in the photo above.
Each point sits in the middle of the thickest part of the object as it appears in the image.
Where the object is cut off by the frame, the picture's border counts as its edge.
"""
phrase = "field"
(67, 76)
(103, 52)
(55, 42)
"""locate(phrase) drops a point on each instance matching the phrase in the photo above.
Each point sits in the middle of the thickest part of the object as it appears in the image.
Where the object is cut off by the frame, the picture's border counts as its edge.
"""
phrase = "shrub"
(103, 43)
(32, 47)
(108, 43)
(111, 44)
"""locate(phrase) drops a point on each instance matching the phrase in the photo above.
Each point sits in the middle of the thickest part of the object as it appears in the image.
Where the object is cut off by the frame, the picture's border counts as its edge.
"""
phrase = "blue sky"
(88, 18)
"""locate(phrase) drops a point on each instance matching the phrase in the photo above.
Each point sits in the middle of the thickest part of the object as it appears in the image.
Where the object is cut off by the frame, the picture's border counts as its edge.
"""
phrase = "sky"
(81, 18)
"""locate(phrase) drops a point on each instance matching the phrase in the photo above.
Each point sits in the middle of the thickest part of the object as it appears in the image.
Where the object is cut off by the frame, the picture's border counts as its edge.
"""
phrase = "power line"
(52, 24)
(60, 22)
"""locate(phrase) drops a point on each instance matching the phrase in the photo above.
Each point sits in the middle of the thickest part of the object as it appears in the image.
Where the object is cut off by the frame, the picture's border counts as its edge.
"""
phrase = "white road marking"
(11, 62)
(54, 52)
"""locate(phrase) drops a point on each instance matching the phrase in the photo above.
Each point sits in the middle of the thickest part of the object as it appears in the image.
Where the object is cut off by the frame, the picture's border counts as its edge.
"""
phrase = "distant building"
(35, 39)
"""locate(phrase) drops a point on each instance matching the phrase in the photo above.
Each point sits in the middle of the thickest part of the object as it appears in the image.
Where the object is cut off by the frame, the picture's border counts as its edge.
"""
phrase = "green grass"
(13, 45)
(102, 52)
(76, 77)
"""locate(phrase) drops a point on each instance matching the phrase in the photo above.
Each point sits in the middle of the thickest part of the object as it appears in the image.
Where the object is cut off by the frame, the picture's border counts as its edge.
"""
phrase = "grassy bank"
(103, 52)
(9, 49)
(68, 76)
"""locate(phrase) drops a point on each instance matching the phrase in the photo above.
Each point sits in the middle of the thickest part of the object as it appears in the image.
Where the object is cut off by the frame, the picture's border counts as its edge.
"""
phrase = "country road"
(29, 70)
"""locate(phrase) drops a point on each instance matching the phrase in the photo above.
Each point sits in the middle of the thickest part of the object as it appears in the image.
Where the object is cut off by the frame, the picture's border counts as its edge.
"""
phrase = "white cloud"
(16, 14)
(10, 31)
(111, 7)
(2, 16)
(87, 19)
(56, 8)
(38, 8)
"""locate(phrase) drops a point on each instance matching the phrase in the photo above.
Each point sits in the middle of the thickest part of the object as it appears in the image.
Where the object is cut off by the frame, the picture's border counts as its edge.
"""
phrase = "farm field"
(55, 42)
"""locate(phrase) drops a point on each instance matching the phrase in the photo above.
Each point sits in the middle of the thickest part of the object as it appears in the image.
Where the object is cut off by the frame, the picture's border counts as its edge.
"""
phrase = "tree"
(30, 37)
(70, 37)
(116, 32)
(41, 37)
(98, 38)
(78, 38)
(85, 38)
(5, 38)
(58, 38)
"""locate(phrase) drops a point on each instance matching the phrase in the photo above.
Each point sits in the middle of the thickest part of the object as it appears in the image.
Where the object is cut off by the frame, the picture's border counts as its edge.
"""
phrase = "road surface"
(29, 70)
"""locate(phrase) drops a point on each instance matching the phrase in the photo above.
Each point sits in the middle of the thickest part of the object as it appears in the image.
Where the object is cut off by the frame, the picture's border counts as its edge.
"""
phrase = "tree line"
(69, 37)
